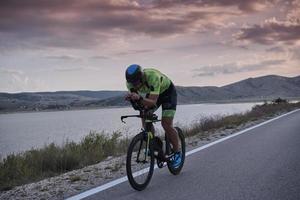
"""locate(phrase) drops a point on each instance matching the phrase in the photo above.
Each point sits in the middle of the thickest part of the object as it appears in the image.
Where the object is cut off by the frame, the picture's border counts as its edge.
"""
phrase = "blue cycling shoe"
(176, 160)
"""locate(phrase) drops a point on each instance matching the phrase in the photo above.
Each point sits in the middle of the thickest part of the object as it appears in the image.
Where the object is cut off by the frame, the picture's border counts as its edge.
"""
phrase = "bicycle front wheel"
(140, 162)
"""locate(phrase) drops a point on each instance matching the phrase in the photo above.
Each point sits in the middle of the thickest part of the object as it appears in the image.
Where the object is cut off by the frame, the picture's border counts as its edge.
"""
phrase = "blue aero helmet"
(134, 74)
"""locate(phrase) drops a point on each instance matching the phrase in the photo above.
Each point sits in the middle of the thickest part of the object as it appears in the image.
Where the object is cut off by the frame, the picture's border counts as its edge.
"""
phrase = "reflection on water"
(22, 131)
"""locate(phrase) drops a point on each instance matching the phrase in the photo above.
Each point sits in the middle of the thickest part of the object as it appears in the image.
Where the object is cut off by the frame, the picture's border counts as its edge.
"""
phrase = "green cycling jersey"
(153, 82)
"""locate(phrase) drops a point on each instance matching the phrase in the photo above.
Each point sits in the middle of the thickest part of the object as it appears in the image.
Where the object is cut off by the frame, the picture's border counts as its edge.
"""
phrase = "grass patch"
(205, 126)
(37, 164)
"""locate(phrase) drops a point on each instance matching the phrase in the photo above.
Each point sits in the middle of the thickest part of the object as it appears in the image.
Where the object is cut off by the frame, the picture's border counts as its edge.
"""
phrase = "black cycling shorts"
(168, 101)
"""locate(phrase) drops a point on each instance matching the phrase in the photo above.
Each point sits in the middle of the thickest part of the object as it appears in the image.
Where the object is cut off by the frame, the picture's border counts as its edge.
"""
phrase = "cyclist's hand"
(127, 97)
(134, 96)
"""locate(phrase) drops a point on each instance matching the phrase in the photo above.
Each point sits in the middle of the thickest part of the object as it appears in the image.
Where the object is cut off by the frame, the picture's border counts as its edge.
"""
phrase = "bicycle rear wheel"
(181, 142)
(140, 162)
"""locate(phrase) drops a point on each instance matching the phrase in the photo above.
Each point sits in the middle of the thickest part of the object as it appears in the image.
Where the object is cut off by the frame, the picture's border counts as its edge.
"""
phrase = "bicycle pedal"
(160, 164)
(169, 157)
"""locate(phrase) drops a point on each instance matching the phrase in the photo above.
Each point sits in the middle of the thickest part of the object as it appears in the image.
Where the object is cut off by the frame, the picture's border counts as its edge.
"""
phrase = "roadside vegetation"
(208, 125)
(37, 164)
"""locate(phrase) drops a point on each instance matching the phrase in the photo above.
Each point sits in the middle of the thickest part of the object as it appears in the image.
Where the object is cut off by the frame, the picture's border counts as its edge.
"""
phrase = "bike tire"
(176, 171)
(138, 140)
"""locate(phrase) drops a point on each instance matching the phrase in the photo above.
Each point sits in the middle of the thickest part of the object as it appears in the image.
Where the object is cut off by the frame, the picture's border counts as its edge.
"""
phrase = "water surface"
(22, 131)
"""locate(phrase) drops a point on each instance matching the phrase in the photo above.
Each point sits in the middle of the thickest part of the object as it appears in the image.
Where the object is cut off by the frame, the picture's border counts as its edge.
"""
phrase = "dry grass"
(206, 125)
(36, 164)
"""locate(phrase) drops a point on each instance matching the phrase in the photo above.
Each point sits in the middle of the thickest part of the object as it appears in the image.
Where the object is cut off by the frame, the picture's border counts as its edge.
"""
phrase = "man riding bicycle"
(158, 90)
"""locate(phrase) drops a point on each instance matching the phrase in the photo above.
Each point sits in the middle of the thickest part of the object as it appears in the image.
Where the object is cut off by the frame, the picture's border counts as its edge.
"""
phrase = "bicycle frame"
(149, 118)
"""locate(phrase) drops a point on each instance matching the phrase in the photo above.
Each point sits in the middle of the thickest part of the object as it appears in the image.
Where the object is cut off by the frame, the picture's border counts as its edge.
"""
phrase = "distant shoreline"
(112, 107)
(127, 106)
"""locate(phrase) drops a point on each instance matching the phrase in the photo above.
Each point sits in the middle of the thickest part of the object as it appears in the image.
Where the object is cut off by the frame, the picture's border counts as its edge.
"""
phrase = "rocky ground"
(76, 181)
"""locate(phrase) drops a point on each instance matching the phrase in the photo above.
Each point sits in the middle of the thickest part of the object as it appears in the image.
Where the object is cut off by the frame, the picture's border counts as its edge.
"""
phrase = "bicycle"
(145, 147)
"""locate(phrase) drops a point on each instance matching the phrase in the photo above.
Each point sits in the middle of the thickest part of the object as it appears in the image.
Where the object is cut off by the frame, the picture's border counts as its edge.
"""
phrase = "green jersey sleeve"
(154, 83)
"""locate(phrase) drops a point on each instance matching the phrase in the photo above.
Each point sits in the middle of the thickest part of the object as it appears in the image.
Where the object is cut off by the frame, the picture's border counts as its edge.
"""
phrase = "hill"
(251, 89)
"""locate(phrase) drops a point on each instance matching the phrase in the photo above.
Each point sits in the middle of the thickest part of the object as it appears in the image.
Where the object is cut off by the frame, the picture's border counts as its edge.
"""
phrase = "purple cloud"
(271, 32)
(82, 24)
(232, 68)
(243, 5)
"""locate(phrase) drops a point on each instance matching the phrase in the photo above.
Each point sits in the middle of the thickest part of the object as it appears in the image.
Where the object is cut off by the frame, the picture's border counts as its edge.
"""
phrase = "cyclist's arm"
(150, 101)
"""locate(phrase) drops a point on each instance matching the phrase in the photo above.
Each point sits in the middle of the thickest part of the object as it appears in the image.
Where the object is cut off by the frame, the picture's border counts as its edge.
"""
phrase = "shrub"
(52, 160)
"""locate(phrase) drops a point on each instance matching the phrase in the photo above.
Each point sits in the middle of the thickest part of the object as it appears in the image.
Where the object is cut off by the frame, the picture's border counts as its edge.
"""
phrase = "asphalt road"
(263, 163)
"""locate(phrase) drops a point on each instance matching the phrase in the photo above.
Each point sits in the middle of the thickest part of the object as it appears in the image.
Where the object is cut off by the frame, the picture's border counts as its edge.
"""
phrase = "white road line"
(123, 179)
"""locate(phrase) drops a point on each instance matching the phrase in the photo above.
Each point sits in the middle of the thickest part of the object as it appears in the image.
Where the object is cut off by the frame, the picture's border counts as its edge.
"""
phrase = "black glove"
(137, 105)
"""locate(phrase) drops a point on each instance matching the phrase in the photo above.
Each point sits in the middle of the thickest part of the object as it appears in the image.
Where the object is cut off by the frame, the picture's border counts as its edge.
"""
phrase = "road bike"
(145, 148)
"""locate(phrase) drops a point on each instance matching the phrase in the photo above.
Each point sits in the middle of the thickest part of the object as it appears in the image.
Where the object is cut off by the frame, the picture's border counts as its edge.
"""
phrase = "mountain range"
(251, 89)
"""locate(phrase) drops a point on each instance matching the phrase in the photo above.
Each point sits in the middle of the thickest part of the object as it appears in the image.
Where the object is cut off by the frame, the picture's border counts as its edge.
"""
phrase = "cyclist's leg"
(169, 103)
(167, 124)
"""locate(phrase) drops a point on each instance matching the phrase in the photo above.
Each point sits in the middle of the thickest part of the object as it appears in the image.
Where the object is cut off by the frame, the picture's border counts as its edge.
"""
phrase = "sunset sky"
(86, 44)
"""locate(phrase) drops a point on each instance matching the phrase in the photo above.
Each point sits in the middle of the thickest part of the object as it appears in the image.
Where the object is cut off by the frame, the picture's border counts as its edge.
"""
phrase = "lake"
(23, 131)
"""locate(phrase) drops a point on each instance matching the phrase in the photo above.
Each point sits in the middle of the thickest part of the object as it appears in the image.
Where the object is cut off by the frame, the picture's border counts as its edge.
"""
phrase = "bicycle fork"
(149, 137)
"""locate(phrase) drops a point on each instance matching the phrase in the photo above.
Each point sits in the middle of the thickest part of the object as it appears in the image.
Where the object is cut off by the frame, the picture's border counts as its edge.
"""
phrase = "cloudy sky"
(50, 45)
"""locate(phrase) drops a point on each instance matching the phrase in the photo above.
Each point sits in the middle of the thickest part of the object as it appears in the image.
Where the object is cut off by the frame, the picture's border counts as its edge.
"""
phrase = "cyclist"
(158, 90)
